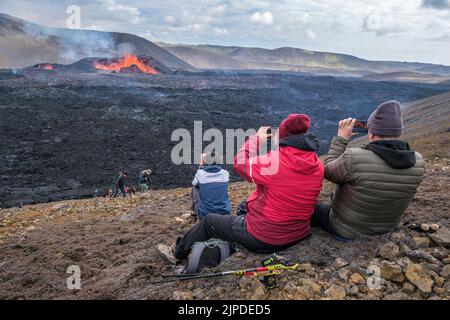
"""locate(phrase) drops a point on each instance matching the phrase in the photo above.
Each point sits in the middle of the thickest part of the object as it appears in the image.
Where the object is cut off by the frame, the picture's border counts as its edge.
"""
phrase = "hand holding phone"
(361, 126)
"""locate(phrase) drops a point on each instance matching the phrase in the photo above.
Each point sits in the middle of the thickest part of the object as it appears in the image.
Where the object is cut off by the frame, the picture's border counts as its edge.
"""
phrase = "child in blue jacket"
(210, 188)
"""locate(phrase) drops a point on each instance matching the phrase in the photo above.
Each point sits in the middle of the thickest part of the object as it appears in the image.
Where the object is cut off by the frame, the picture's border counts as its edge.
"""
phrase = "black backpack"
(208, 253)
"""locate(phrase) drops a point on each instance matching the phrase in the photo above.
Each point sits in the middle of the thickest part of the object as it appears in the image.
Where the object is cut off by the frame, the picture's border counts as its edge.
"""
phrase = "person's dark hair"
(387, 137)
(125, 173)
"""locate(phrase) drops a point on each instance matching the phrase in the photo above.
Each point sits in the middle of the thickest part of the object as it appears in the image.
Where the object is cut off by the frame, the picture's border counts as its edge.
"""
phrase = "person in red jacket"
(279, 210)
(288, 182)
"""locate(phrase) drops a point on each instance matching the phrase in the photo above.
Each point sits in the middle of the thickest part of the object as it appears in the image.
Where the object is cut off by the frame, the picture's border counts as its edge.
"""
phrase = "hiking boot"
(192, 218)
(167, 253)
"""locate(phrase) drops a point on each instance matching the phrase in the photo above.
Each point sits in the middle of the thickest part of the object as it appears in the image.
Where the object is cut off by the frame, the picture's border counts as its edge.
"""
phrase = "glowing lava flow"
(127, 61)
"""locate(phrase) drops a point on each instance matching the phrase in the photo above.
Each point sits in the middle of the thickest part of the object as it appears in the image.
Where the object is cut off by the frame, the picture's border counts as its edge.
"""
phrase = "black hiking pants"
(225, 227)
(321, 219)
(120, 188)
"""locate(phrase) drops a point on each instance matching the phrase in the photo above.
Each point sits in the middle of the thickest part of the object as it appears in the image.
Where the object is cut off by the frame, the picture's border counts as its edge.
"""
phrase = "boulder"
(441, 237)
(182, 295)
(420, 242)
(439, 291)
(388, 250)
(408, 288)
(417, 275)
(353, 290)
(446, 271)
(424, 285)
(344, 273)
(290, 288)
(198, 294)
(340, 263)
(414, 272)
(356, 278)
(336, 292)
(439, 281)
(312, 285)
(305, 267)
(446, 287)
(391, 271)
(397, 236)
(396, 296)
(304, 293)
(258, 294)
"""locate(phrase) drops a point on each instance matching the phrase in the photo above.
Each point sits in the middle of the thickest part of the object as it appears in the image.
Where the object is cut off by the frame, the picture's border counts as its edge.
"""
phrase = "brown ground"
(113, 241)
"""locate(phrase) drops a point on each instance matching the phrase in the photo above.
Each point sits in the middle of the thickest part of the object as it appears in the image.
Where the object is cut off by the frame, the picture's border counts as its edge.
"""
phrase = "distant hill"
(427, 126)
(292, 59)
(407, 77)
(23, 44)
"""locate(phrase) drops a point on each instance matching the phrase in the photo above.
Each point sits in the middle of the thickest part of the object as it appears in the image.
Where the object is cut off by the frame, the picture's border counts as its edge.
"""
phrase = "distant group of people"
(144, 181)
(375, 183)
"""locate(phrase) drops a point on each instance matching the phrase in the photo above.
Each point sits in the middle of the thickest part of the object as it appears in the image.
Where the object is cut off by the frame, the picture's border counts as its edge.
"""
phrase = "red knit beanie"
(294, 124)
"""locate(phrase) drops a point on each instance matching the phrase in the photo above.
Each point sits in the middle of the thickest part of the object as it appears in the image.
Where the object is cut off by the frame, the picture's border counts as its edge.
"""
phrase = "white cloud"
(413, 29)
(112, 6)
(311, 34)
(190, 28)
(220, 31)
(265, 18)
(149, 35)
(169, 19)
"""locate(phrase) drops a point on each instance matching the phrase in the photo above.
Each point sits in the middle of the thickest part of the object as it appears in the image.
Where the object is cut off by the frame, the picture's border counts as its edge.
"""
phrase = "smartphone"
(361, 126)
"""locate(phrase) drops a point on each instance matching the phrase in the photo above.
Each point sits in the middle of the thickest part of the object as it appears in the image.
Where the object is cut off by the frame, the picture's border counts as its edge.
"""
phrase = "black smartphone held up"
(361, 126)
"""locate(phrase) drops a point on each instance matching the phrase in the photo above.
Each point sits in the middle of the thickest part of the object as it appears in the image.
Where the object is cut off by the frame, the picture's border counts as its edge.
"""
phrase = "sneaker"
(167, 253)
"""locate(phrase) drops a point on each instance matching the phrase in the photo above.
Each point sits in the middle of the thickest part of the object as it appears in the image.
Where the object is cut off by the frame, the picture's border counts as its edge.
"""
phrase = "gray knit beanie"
(387, 120)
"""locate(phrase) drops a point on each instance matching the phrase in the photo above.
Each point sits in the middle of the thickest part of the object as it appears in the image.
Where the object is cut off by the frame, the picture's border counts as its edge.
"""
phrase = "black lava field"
(66, 134)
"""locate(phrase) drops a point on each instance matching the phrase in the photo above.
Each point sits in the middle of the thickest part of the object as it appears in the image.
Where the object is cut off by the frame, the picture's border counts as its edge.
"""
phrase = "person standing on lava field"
(375, 182)
(288, 182)
(119, 185)
(145, 180)
(210, 188)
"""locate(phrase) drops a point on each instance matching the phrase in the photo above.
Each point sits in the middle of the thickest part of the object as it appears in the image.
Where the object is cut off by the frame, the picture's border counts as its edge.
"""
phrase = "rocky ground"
(113, 241)
(64, 134)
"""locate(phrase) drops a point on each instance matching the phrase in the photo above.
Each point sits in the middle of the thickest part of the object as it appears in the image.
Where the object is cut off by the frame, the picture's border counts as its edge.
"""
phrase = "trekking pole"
(265, 271)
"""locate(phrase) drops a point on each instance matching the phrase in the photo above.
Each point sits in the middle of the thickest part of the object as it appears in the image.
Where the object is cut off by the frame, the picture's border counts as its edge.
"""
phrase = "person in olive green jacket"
(375, 182)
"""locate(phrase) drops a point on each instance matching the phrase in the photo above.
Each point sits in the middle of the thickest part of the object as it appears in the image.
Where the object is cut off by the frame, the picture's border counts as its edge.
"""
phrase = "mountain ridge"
(24, 43)
(294, 59)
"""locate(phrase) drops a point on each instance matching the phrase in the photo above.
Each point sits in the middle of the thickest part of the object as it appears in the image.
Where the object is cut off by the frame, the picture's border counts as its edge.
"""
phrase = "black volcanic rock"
(66, 134)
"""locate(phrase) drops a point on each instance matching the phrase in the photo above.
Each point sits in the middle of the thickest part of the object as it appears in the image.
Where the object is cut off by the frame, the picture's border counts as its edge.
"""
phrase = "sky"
(397, 30)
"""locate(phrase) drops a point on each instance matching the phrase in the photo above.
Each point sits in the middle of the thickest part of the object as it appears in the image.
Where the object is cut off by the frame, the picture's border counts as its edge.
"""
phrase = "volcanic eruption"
(129, 63)
(43, 66)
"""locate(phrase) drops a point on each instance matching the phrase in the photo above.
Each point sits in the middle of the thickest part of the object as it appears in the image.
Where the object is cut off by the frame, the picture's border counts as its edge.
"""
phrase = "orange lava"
(127, 61)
